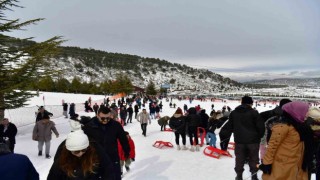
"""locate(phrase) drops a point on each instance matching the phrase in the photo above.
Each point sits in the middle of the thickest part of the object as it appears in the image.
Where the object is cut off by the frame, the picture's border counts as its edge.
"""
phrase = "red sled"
(215, 152)
(231, 145)
(161, 144)
(199, 130)
(167, 129)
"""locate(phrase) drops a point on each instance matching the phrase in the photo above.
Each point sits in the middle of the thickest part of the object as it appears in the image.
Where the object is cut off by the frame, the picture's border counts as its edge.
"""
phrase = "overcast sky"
(244, 40)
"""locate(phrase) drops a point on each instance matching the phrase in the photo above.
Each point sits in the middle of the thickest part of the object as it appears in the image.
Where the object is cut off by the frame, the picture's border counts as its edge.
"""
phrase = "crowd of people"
(281, 142)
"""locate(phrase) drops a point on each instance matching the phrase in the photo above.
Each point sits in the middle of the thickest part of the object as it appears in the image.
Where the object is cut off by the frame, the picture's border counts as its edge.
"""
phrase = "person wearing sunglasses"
(106, 131)
(79, 159)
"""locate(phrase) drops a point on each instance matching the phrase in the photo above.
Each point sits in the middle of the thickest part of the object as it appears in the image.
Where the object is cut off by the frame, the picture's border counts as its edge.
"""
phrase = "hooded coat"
(285, 153)
(286, 150)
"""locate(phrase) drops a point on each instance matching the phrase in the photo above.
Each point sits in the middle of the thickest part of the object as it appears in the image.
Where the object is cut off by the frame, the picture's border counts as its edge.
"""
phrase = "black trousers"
(193, 135)
(129, 118)
(246, 151)
(144, 128)
(183, 136)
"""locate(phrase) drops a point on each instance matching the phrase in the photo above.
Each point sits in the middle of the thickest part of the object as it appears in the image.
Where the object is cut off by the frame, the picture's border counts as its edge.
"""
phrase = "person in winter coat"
(144, 117)
(270, 118)
(157, 108)
(126, 161)
(152, 110)
(178, 124)
(8, 132)
(79, 159)
(72, 109)
(15, 166)
(288, 154)
(130, 113)
(95, 108)
(313, 121)
(204, 124)
(42, 134)
(212, 125)
(248, 128)
(106, 132)
(136, 110)
(123, 115)
(193, 121)
(41, 113)
(65, 110)
(225, 133)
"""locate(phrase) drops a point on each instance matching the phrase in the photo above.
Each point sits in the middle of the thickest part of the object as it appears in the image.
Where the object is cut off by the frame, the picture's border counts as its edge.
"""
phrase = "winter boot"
(178, 147)
(192, 148)
(254, 176)
(40, 153)
(239, 177)
(184, 147)
(48, 156)
(127, 168)
(198, 148)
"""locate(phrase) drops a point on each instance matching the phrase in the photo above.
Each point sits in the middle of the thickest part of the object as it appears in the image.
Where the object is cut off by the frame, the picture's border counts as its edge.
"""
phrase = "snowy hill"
(98, 66)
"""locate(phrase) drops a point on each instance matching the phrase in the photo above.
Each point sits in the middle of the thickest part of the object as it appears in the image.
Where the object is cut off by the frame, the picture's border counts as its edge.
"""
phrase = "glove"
(265, 168)
(132, 159)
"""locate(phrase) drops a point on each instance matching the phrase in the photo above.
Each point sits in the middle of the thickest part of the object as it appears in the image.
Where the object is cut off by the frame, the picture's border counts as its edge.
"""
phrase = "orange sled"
(215, 152)
(161, 144)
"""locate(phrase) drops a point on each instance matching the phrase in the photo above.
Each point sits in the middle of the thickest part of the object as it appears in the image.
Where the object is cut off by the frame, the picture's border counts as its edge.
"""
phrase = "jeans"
(212, 137)
(40, 145)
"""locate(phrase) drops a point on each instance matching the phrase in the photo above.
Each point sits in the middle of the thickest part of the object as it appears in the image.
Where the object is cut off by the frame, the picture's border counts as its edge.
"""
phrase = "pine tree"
(20, 64)
(150, 89)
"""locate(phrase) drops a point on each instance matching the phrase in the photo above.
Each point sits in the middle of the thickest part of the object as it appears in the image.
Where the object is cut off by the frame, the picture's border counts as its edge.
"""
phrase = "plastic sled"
(215, 152)
(167, 129)
(231, 145)
(201, 137)
(161, 144)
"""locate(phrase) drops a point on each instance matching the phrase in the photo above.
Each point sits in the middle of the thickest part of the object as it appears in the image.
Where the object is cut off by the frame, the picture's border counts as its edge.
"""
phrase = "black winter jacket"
(247, 125)
(10, 133)
(178, 123)
(107, 136)
(193, 119)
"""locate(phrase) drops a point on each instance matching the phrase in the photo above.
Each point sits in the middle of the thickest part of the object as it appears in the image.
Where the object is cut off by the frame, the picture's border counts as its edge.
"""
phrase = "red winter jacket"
(132, 150)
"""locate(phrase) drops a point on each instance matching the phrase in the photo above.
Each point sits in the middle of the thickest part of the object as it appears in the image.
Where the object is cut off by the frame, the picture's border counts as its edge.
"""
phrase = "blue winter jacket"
(17, 166)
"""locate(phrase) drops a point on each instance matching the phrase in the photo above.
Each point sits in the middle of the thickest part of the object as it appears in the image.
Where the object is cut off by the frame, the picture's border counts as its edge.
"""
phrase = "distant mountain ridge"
(95, 65)
(296, 82)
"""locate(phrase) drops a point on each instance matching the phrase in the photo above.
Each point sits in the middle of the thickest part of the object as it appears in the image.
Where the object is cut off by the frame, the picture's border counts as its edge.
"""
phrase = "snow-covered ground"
(151, 163)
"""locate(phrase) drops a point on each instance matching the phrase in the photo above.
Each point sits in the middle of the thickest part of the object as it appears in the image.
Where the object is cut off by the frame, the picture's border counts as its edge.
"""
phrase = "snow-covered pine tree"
(20, 62)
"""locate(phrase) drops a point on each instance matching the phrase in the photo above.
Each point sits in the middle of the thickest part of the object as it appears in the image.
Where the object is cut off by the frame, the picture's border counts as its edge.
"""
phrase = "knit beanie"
(246, 100)
(314, 113)
(297, 110)
(77, 140)
(179, 111)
